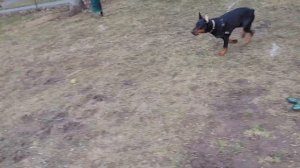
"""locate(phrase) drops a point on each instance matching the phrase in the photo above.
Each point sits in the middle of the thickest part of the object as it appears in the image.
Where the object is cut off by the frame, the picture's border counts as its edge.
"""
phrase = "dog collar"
(214, 26)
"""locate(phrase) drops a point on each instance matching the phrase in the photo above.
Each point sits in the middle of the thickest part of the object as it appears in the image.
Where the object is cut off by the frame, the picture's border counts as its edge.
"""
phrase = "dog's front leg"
(225, 46)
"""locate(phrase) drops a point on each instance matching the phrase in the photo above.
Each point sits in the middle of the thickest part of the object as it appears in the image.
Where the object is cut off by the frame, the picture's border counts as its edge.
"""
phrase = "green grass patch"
(257, 131)
(269, 160)
(229, 147)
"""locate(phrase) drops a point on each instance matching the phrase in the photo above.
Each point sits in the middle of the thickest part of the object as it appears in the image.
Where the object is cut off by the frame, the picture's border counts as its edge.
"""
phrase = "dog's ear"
(206, 18)
(200, 16)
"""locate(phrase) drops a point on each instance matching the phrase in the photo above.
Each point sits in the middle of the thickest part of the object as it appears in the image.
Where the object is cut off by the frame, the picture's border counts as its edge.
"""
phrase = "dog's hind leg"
(248, 32)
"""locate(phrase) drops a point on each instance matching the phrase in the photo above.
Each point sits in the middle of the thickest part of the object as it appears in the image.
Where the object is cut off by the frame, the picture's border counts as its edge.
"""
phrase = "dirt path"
(136, 90)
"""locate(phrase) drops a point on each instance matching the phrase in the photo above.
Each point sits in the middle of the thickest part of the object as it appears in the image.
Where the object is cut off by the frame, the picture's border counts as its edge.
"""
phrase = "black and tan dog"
(222, 27)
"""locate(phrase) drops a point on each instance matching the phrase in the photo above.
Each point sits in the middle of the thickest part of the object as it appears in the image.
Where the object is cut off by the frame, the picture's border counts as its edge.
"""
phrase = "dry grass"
(136, 89)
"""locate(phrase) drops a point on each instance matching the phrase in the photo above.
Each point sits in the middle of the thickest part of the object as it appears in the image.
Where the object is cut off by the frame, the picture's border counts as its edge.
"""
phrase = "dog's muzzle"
(195, 32)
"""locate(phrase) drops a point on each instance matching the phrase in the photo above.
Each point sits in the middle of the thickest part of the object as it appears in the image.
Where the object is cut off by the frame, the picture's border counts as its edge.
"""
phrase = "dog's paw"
(248, 40)
(223, 52)
(233, 41)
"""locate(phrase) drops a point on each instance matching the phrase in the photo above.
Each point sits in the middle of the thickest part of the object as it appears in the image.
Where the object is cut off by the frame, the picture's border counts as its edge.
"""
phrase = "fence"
(12, 6)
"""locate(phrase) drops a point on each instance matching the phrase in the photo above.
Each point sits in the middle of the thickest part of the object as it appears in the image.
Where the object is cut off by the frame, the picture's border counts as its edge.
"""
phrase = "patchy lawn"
(135, 89)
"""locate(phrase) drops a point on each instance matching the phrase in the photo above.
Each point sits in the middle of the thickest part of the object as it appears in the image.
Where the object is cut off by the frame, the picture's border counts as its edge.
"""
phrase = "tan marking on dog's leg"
(248, 38)
(223, 52)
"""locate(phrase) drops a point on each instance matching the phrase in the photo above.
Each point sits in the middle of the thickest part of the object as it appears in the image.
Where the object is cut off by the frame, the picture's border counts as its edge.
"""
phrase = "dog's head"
(201, 25)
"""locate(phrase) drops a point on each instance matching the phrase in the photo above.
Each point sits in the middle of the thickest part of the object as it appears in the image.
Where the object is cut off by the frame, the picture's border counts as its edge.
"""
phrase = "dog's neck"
(211, 26)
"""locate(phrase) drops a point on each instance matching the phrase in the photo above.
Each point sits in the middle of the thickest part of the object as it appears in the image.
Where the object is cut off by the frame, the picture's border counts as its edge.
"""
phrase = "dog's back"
(238, 17)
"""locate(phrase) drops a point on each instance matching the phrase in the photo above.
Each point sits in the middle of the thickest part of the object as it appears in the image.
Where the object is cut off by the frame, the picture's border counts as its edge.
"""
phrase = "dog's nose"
(193, 33)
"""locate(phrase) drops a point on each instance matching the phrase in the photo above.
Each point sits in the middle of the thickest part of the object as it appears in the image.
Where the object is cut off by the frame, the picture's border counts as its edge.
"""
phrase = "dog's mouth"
(196, 32)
